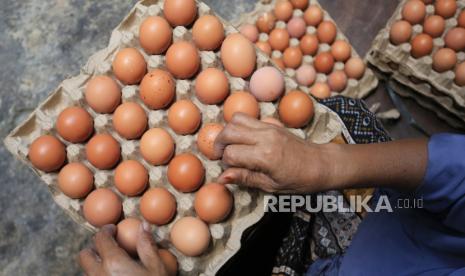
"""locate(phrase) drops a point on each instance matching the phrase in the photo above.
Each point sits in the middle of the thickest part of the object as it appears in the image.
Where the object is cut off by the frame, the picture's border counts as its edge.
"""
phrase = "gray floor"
(44, 42)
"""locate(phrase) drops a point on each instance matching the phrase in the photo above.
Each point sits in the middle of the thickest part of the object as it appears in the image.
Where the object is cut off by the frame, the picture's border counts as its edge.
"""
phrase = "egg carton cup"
(248, 204)
(427, 86)
(355, 88)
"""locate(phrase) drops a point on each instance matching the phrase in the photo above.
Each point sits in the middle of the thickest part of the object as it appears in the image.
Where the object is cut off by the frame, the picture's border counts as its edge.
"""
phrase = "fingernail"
(109, 228)
(146, 226)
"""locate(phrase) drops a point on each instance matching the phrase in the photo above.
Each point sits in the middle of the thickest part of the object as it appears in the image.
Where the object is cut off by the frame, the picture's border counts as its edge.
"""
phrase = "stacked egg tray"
(416, 78)
(248, 204)
(355, 88)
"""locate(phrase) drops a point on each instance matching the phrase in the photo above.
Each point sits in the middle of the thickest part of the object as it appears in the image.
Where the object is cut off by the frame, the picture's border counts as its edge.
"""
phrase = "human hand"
(268, 157)
(109, 259)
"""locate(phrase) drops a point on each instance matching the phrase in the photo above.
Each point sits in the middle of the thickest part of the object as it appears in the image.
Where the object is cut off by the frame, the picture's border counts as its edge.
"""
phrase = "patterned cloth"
(320, 235)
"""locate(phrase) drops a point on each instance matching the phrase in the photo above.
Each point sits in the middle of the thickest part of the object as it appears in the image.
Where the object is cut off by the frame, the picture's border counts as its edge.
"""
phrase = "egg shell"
(186, 172)
(309, 44)
(131, 177)
(240, 101)
(157, 89)
(129, 66)
(295, 109)
(455, 39)
(266, 22)
(127, 234)
(341, 50)
(75, 180)
(422, 45)
(267, 84)
(155, 35)
(180, 12)
(250, 32)
(103, 151)
(238, 55)
(157, 146)
(292, 57)
(75, 124)
(326, 32)
(460, 74)
(101, 207)
(283, 10)
(306, 75)
(208, 32)
(279, 39)
(461, 19)
(296, 27)
(321, 90)
(130, 120)
(434, 25)
(400, 32)
(190, 236)
(300, 4)
(211, 86)
(103, 94)
(158, 206)
(47, 153)
(184, 117)
(337, 81)
(206, 139)
(265, 47)
(445, 8)
(213, 202)
(313, 15)
(414, 11)
(324, 62)
(355, 68)
(444, 59)
(169, 260)
(182, 59)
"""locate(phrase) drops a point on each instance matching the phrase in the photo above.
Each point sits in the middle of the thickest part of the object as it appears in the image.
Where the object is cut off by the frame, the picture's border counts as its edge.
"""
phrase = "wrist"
(333, 167)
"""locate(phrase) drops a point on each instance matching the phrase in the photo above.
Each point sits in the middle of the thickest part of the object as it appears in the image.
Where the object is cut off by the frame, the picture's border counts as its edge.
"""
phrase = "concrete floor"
(44, 42)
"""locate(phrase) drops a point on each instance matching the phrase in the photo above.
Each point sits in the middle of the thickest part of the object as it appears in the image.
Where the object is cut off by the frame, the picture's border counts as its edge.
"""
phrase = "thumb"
(146, 247)
(247, 178)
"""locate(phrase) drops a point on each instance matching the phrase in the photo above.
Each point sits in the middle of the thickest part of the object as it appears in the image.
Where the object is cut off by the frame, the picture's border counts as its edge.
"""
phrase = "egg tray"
(248, 204)
(418, 74)
(355, 88)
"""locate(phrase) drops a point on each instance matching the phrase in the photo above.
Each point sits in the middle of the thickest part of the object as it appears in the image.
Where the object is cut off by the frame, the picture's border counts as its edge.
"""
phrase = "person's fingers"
(233, 134)
(146, 247)
(243, 119)
(89, 262)
(105, 243)
(247, 178)
(242, 156)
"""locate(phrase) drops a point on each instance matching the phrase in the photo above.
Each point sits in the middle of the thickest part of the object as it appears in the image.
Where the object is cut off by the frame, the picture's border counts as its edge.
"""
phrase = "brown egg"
(272, 121)
(400, 32)
(283, 10)
(155, 35)
(206, 139)
(127, 233)
(461, 19)
(267, 84)
(305, 75)
(326, 32)
(129, 66)
(240, 101)
(211, 86)
(445, 8)
(238, 55)
(434, 25)
(313, 15)
(157, 146)
(213, 203)
(296, 27)
(184, 117)
(75, 180)
(355, 68)
(265, 23)
(414, 11)
(337, 81)
(102, 207)
(427, 1)
(130, 120)
(299, 4)
(182, 59)
(309, 44)
(279, 62)
(103, 151)
(186, 172)
(208, 33)
(157, 89)
(264, 46)
(131, 177)
(295, 109)
(455, 39)
(341, 50)
(169, 260)
(103, 94)
(444, 59)
(292, 57)
(321, 90)
(324, 62)
(158, 206)
(279, 39)
(180, 12)
(250, 32)
(460, 74)
(75, 124)
(422, 45)
(190, 236)
(47, 153)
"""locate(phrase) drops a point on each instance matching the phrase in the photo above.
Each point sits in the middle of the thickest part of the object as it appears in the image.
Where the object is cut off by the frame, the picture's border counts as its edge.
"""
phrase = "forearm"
(399, 165)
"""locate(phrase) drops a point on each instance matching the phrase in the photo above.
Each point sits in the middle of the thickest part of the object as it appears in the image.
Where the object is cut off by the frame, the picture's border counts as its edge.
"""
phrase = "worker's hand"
(268, 157)
(109, 259)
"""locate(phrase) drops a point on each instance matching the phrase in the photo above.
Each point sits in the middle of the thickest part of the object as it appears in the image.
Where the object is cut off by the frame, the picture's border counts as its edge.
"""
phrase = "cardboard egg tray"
(248, 204)
(433, 90)
(355, 88)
